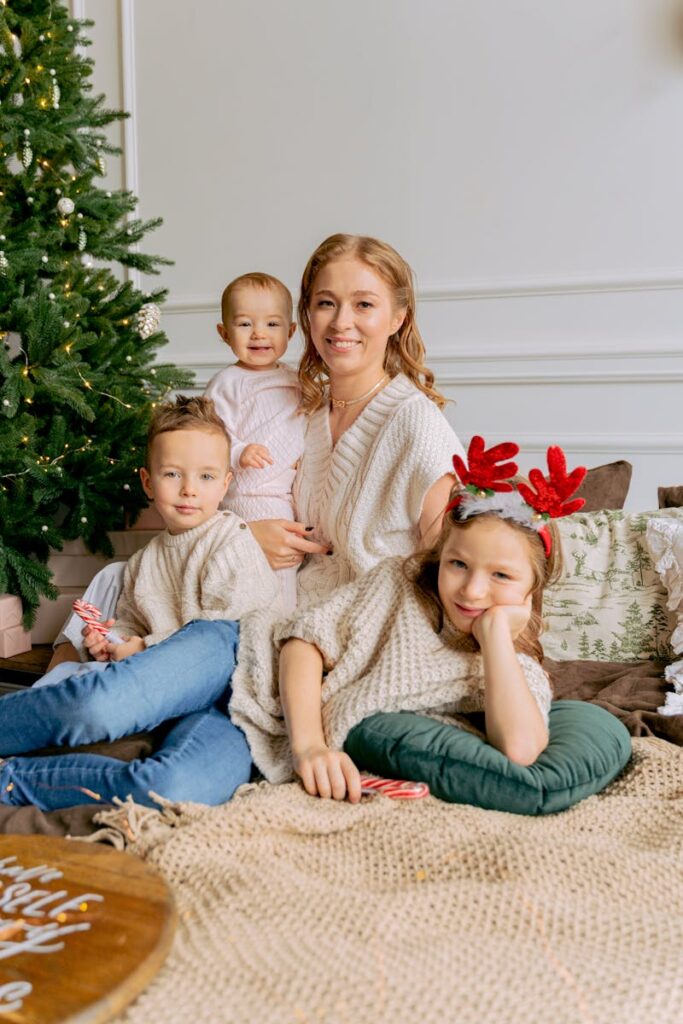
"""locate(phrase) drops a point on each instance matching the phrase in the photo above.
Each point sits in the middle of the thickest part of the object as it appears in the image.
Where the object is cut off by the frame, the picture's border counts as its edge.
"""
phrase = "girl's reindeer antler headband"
(487, 488)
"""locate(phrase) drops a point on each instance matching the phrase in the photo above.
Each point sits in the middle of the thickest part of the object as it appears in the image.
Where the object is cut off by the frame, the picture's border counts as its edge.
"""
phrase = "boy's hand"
(130, 645)
(328, 773)
(511, 617)
(255, 456)
(97, 646)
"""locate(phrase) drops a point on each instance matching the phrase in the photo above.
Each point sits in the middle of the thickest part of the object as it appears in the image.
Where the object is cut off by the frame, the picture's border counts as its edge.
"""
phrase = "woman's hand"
(284, 543)
(512, 618)
(328, 773)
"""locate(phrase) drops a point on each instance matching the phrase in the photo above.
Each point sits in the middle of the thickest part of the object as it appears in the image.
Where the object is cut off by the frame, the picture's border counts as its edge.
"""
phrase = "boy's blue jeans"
(203, 758)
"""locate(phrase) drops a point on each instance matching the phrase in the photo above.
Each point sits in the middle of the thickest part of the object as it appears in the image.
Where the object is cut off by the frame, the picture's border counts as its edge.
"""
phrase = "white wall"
(525, 157)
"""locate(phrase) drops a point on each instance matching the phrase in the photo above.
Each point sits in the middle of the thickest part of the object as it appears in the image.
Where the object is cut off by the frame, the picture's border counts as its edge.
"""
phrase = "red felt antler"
(483, 469)
(551, 492)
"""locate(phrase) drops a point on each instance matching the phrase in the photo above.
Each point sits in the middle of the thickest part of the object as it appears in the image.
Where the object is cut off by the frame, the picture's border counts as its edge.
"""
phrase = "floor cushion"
(588, 747)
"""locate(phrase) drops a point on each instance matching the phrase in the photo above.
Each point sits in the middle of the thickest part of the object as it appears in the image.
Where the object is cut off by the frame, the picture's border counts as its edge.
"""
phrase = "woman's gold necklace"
(341, 403)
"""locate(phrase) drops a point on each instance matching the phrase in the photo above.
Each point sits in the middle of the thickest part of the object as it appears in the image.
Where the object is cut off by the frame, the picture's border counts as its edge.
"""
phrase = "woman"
(377, 466)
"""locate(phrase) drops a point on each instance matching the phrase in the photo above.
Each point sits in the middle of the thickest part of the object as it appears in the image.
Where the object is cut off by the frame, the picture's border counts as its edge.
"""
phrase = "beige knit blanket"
(294, 910)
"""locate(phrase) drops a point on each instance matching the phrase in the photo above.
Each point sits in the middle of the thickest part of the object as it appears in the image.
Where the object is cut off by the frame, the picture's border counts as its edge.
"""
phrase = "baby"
(258, 399)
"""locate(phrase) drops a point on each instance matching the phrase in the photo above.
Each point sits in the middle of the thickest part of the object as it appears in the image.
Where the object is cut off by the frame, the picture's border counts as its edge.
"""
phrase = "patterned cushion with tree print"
(610, 604)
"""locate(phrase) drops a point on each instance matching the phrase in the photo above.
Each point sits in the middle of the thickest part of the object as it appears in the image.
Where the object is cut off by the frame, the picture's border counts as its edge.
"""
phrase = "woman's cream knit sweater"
(364, 495)
(380, 653)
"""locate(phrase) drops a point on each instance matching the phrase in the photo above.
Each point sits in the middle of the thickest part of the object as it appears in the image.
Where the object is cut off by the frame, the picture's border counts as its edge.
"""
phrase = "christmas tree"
(77, 374)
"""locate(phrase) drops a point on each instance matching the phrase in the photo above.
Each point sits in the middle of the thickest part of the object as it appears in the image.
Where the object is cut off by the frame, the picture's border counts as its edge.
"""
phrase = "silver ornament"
(4, 264)
(26, 152)
(82, 239)
(101, 164)
(148, 319)
(66, 206)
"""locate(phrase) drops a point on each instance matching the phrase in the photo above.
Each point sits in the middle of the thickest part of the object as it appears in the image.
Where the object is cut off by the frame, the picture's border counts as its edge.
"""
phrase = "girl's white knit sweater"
(380, 653)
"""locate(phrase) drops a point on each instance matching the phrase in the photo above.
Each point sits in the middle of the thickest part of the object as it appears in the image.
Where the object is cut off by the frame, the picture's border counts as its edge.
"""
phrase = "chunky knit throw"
(294, 910)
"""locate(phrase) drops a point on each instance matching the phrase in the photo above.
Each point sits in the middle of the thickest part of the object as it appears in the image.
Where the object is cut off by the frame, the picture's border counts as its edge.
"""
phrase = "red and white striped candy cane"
(90, 615)
(396, 789)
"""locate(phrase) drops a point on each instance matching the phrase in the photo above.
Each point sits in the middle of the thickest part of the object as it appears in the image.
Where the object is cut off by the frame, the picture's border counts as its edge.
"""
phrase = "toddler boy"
(257, 399)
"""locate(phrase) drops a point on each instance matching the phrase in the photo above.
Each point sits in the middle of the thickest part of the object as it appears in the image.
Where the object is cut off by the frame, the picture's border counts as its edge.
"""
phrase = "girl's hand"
(97, 645)
(255, 456)
(285, 543)
(511, 617)
(328, 773)
(130, 645)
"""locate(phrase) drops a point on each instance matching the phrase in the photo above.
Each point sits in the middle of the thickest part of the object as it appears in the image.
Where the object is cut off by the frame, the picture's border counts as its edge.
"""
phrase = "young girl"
(454, 629)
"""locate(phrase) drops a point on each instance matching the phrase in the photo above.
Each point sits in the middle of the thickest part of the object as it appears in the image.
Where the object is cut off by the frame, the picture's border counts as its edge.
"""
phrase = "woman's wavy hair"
(422, 570)
(405, 351)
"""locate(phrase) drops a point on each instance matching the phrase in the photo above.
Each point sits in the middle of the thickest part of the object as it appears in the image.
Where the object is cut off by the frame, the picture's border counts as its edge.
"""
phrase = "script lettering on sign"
(44, 917)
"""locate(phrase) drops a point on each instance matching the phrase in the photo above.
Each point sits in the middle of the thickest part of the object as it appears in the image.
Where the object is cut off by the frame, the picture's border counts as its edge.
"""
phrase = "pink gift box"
(10, 612)
(14, 640)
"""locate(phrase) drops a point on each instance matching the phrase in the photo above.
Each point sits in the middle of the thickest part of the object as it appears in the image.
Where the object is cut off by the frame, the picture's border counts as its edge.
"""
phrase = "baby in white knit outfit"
(258, 401)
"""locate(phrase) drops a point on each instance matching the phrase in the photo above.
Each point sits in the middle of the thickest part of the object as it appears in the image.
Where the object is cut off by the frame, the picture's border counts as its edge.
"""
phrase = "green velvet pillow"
(588, 747)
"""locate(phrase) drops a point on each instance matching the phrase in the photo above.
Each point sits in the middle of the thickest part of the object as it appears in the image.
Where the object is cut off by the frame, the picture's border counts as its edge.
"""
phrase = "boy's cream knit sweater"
(213, 571)
(380, 653)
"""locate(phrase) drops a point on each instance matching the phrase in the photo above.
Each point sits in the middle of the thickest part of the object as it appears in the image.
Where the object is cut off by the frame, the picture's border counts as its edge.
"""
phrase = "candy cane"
(91, 616)
(395, 789)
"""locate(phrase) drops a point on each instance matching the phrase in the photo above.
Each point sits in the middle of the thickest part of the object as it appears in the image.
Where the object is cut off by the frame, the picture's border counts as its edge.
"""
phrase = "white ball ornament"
(66, 206)
(126, 487)
(84, 519)
(5, 402)
(44, 528)
(43, 259)
(51, 295)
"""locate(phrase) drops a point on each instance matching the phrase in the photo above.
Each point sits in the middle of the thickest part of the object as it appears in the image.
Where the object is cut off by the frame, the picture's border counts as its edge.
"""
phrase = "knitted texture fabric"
(294, 909)
(365, 494)
(260, 407)
(380, 653)
(214, 571)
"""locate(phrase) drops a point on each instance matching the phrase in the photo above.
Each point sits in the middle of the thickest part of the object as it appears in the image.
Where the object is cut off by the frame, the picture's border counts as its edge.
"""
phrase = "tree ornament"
(56, 91)
(4, 264)
(66, 206)
(148, 319)
(101, 162)
(27, 152)
(82, 239)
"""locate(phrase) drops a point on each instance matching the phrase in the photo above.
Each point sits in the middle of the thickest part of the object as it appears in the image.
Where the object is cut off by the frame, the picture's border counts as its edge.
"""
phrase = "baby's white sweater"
(214, 571)
(260, 407)
(380, 653)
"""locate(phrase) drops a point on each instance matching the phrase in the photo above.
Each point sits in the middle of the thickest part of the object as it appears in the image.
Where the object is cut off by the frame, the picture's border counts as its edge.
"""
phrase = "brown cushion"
(606, 486)
(670, 497)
